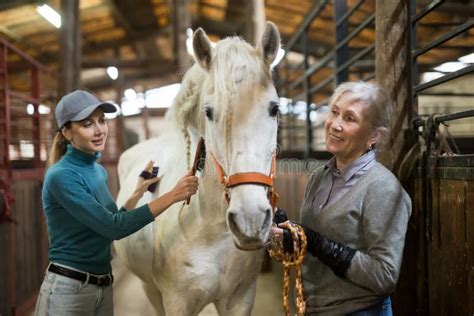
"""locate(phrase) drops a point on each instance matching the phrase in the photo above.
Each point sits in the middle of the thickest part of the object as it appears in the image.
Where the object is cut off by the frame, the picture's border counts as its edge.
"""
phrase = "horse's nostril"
(232, 221)
(268, 219)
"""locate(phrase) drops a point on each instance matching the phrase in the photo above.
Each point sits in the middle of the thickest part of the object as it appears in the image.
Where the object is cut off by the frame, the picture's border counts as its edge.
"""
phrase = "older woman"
(355, 211)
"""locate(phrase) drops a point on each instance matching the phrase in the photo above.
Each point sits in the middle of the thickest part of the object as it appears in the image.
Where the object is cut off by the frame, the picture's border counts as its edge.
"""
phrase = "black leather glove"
(280, 216)
(333, 254)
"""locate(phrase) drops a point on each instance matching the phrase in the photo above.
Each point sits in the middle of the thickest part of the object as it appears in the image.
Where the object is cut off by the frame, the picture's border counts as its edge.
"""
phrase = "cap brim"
(106, 107)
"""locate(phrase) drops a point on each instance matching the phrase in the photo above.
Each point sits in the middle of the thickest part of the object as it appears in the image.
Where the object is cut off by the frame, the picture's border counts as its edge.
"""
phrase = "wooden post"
(70, 48)
(393, 71)
(254, 20)
(181, 17)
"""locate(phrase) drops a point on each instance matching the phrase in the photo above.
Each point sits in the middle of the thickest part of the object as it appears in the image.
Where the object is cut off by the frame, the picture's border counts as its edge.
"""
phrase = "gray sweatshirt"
(371, 217)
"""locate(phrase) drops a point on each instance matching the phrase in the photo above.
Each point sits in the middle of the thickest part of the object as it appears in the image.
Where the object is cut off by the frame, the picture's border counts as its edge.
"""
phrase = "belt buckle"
(103, 280)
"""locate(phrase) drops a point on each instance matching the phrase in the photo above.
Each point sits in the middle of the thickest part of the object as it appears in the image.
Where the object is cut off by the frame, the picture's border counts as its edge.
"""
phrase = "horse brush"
(199, 159)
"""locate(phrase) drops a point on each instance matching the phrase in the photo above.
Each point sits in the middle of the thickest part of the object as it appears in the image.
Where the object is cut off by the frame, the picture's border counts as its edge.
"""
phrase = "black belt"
(102, 280)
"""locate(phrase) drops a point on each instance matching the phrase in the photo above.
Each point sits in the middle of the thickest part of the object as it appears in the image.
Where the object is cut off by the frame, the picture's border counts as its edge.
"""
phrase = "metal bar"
(453, 116)
(414, 65)
(321, 85)
(449, 94)
(356, 31)
(341, 50)
(23, 55)
(6, 181)
(430, 7)
(316, 88)
(356, 57)
(315, 11)
(6, 111)
(445, 78)
(311, 70)
(349, 13)
(23, 97)
(35, 95)
(446, 37)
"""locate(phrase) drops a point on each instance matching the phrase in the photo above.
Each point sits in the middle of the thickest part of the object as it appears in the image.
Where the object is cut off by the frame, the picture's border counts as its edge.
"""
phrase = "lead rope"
(290, 262)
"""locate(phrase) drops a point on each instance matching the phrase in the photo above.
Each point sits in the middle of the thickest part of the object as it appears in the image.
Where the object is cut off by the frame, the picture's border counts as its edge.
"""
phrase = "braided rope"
(291, 261)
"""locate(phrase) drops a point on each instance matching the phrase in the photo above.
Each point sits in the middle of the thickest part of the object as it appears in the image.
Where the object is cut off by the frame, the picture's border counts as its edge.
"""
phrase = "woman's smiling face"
(348, 132)
(90, 134)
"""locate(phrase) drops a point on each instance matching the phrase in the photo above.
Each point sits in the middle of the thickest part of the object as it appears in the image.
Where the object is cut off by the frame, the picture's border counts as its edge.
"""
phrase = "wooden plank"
(28, 256)
(469, 210)
(447, 250)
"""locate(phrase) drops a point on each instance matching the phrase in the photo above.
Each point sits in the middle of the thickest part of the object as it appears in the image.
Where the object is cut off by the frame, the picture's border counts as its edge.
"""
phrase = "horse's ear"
(270, 43)
(202, 49)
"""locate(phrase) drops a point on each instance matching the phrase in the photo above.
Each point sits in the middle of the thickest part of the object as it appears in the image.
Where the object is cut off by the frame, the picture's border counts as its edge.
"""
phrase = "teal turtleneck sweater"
(81, 214)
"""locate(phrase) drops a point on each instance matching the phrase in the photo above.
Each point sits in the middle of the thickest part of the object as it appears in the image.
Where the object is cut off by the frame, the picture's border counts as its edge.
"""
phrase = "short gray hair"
(379, 108)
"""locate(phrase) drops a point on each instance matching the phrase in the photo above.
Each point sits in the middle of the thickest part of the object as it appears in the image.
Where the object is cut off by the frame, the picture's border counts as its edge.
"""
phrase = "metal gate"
(23, 241)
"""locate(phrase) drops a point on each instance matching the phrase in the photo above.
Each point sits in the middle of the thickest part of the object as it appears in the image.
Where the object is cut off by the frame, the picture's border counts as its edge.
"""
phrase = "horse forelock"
(234, 63)
(237, 63)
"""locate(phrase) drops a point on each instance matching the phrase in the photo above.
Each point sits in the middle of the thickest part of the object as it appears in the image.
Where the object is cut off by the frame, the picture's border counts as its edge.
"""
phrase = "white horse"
(205, 253)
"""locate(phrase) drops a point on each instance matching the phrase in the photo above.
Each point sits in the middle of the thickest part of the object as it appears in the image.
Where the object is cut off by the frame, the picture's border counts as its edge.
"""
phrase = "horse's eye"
(274, 108)
(209, 113)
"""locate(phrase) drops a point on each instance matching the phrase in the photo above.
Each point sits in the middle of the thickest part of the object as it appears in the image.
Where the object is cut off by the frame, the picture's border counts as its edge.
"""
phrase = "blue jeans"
(382, 308)
(60, 295)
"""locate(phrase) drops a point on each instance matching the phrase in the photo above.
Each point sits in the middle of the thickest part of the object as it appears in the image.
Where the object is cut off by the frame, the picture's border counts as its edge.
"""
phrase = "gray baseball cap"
(78, 105)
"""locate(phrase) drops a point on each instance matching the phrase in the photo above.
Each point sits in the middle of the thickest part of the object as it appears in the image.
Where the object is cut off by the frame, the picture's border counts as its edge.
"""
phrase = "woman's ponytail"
(58, 149)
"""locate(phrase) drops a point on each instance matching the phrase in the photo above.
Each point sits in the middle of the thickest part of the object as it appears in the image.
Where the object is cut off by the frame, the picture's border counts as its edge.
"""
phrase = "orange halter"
(249, 178)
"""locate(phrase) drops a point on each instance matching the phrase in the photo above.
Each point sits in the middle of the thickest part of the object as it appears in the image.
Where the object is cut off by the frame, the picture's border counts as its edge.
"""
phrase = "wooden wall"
(23, 245)
(292, 175)
(437, 276)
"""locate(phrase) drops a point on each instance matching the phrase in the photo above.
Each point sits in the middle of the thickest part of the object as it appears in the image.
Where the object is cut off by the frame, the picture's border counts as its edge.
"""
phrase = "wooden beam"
(10, 4)
(70, 48)
(181, 21)
(220, 29)
(140, 76)
(95, 46)
(254, 20)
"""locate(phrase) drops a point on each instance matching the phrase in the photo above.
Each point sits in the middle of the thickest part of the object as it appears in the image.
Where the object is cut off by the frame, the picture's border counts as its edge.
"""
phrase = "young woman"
(355, 212)
(82, 216)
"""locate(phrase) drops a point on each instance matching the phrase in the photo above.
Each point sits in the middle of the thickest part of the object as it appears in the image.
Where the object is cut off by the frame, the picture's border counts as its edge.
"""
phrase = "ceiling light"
(162, 97)
(49, 14)
(130, 94)
(468, 59)
(129, 107)
(112, 72)
(42, 109)
(450, 66)
(429, 76)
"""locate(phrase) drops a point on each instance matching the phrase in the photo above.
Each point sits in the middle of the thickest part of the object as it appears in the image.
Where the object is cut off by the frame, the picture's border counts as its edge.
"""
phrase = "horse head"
(238, 107)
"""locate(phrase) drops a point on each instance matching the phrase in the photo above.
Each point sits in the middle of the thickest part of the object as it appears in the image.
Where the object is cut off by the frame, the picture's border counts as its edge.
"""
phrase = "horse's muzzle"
(249, 229)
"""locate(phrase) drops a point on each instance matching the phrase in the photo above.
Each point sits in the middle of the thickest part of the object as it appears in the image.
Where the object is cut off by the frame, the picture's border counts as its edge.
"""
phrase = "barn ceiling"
(136, 36)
